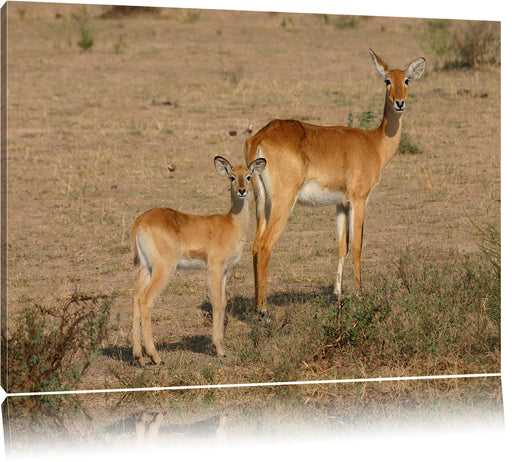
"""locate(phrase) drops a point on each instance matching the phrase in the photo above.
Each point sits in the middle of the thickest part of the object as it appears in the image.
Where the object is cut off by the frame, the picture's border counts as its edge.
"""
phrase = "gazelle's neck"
(389, 133)
(240, 211)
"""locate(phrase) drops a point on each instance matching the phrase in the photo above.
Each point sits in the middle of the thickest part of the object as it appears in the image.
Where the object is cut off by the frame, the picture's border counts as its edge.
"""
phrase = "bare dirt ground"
(90, 134)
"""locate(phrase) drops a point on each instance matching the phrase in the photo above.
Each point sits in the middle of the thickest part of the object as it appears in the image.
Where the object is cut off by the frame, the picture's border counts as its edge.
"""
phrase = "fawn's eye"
(232, 178)
(248, 177)
(406, 81)
(388, 82)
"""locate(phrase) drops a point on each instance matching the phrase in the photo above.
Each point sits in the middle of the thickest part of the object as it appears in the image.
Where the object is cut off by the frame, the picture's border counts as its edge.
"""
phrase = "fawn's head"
(239, 176)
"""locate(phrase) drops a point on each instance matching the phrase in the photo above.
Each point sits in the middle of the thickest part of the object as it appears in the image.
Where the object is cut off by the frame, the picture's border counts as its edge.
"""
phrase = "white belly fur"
(185, 263)
(191, 263)
(313, 195)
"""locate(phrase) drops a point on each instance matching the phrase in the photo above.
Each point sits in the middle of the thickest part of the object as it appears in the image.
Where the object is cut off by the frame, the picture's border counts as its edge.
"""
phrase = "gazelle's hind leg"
(357, 238)
(144, 277)
(159, 277)
(263, 211)
(344, 231)
(263, 203)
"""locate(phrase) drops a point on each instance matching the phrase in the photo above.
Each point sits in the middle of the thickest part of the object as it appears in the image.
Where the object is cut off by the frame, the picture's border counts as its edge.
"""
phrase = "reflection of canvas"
(202, 420)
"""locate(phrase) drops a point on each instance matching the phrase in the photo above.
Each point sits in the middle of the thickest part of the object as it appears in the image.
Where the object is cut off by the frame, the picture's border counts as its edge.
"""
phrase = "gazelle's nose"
(400, 104)
(242, 192)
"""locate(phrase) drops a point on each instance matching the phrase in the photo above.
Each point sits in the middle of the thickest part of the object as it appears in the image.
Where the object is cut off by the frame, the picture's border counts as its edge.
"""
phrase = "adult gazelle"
(316, 166)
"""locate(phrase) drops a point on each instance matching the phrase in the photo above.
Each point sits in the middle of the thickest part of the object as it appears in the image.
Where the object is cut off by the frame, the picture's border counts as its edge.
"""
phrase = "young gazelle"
(164, 239)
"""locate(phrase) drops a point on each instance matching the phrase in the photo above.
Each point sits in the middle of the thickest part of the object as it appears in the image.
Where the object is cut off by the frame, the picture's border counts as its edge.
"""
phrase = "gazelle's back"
(188, 237)
(319, 153)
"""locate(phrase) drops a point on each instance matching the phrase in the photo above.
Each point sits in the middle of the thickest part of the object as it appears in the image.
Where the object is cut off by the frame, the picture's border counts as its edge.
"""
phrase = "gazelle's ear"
(415, 69)
(380, 66)
(222, 165)
(257, 166)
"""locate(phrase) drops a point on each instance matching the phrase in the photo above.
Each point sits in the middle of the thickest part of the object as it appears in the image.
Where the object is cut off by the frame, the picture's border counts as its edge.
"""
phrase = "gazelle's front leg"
(343, 232)
(281, 207)
(219, 302)
(261, 255)
(224, 302)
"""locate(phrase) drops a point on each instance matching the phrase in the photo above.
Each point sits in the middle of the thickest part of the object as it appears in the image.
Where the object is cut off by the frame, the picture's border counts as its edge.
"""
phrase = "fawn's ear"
(257, 166)
(380, 66)
(222, 165)
(415, 69)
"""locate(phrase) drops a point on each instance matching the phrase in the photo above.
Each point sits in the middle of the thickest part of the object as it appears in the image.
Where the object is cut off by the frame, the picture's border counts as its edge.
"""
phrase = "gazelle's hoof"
(137, 356)
(264, 315)
(221, 352)
(155, 359)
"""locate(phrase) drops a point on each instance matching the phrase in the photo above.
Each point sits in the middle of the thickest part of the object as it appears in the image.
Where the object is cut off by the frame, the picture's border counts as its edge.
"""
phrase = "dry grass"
(91, 133)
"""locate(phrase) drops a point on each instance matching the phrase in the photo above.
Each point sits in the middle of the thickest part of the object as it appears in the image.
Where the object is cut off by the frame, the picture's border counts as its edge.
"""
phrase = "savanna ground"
(91, 130)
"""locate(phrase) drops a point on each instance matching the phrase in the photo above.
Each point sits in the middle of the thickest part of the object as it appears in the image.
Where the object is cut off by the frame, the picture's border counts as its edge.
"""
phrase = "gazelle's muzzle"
(399, 105)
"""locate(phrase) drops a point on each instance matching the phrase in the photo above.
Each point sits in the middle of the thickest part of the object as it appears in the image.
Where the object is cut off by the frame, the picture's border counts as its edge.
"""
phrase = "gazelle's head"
(397, 80)
(239, 176)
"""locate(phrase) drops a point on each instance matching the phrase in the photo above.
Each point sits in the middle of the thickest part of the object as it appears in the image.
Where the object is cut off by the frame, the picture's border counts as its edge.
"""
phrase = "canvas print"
(201, 198)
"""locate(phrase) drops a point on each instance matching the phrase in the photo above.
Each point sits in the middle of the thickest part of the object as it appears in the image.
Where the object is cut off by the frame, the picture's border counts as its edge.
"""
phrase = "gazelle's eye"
(232, 178)
(388, 82)
(406, 81)
(248, 177)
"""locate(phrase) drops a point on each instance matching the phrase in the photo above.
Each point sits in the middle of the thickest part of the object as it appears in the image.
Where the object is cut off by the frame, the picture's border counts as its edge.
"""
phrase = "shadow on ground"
(238, 307)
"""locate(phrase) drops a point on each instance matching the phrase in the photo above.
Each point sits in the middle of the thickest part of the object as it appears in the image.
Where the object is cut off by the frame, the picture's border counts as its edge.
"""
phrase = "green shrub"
(189, 16)
(50, 348)
(488, 272)
(119, 44)
(346, 22)
(476, 43)
(426, 315)
(286, 339)
(436, 37)
(365, 119)
(234, 74)
(86, 31)
(462, 44)
(439, 315)
(408, 145)
(368, 120)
